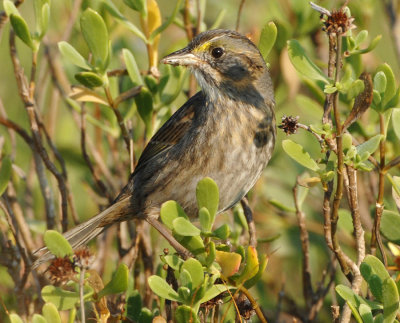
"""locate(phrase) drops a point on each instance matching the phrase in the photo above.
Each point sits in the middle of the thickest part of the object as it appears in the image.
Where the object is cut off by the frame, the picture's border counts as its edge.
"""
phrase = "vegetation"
(82, 92)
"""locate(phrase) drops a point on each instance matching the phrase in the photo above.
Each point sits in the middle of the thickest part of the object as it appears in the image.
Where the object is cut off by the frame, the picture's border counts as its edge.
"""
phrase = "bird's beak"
(182, 57)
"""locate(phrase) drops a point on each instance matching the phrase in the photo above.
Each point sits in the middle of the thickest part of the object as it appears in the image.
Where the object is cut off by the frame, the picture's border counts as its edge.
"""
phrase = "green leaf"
(355, 89)
(10, 8)
(261, 268)
(370, 146)
(184, 314)
(375, 285)
(211, 254)
(89, 79)
(21, 30)
(212, 292)
(390, 226)
(205, 220)
(171, 210)
(252, 266)
(366, 313)
(185, 281)
(37, 318)
(361, 37)
(184, 227)
(160, 287)
(195, 270)
(151, 83)
(138, 5)
(222, 232)
(297, 152)
(267, 39)
(72, 55)
(133, 305)
(347, 142)
(57, 244)
(390, 86)
(351, 299)
(95, 33)
(62, 299)
(207, 195)
(390, 294)
(51, 313)
(380, 82)
(131, 66)
(5, 171)
(15, 318)
(303, 63)
(173, 261)
(145, 316)
(118, 283)
(144, 103)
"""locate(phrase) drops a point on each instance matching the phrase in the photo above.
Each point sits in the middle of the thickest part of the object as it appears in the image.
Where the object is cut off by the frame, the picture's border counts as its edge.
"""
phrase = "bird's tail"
(86, 231)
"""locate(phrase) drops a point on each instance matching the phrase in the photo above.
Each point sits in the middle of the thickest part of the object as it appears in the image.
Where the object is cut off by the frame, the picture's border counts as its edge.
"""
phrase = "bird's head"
(225, 62)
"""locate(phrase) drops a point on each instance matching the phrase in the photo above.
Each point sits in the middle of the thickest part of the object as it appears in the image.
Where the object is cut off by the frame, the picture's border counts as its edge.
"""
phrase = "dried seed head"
(83, 258)
(245, 308)
(61, 270)
(289, 124)
(338, 22)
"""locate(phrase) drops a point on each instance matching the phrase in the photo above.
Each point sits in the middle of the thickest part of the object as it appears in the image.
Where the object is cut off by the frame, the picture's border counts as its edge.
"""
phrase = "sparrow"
(226, 132)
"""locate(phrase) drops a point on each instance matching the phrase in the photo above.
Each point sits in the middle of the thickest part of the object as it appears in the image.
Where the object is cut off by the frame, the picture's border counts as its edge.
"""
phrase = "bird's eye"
(217, 52)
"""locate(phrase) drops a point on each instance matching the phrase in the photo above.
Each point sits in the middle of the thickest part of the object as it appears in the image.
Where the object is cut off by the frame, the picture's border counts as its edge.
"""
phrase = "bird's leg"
(249, 218)
(181, 250)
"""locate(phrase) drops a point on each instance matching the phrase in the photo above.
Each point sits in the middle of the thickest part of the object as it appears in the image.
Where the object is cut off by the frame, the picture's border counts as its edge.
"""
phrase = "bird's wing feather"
(172, 131)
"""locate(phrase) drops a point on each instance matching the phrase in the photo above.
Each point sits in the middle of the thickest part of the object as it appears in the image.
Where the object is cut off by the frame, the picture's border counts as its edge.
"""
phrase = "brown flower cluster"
(338, 22)
(289, 124)
(61, 270)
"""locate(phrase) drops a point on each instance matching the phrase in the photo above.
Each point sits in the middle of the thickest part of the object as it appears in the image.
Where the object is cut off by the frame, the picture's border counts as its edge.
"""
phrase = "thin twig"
(305, 247)
(375, 234)
(239, 14)
(24, 91)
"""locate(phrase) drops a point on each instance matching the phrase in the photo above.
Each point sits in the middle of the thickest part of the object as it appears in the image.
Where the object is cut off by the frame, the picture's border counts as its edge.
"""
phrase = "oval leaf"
(118, 283)
(62, 299)
(131, 66)
(396, 122)
(171, 210)
(21, 29)
(37, 318)
(185, 228)
(160, 287)
(72, 55)
(184, 314)
(207, 195)
(95, 33)
(267, 39)
(390, 226)
(298, 153)
(251, 267)
(369, 146)
(195, 270)
(303, 63)
(229, 262)
(57, 244)
(89, 79)
(50, 313)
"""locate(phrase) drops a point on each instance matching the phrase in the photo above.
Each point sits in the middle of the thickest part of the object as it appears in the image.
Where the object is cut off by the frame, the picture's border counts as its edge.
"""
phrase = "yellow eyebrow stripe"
(204, 47)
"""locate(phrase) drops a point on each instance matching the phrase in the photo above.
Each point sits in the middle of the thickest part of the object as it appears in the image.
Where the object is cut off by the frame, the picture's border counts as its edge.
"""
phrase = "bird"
(226, 131)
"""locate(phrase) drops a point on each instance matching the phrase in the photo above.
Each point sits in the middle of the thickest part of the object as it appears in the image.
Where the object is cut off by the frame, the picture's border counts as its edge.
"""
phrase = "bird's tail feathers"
(86, 231)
